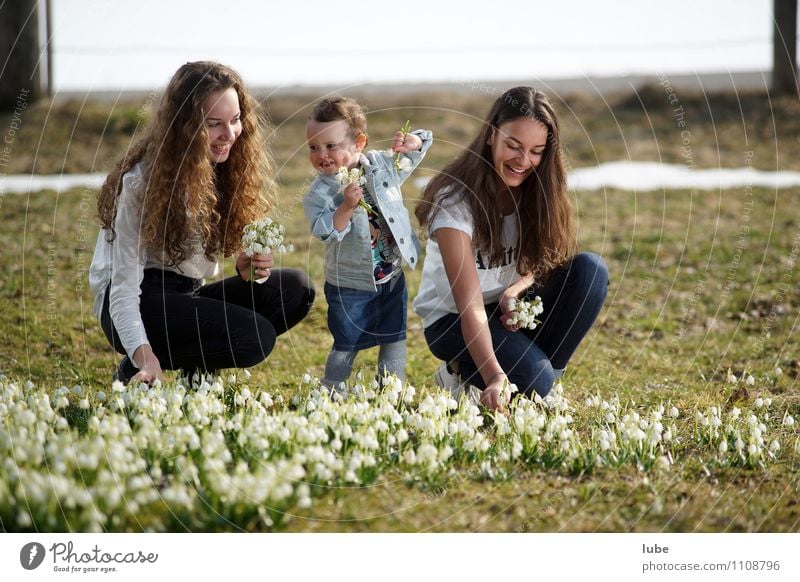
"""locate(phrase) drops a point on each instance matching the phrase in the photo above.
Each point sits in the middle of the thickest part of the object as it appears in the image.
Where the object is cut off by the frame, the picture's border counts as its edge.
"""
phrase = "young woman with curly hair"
(179, 199)
(500, 227)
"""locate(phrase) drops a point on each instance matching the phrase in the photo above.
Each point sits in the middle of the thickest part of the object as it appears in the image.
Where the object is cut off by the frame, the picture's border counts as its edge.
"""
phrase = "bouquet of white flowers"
(346, 177)
(262, 237)
(523, 313)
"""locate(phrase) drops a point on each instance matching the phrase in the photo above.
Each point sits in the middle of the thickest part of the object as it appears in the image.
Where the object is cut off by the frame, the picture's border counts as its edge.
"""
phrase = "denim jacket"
(348, 253)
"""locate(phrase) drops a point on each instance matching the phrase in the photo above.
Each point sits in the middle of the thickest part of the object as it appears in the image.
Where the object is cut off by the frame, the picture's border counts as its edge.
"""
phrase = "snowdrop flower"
(261, 237)
(346, 177)
(404, 165)
(523, 313)
(750, 381)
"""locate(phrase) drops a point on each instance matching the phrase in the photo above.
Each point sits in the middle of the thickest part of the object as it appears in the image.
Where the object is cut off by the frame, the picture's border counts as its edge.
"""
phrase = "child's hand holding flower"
(351, 181)
(353, 195)
(404, 142)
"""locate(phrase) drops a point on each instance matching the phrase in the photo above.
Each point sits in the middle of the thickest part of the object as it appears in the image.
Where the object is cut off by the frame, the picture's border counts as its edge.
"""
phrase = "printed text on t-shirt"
(509, 257)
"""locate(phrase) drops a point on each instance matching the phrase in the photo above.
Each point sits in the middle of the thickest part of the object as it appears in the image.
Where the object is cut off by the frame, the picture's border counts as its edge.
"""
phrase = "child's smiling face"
(330, 146)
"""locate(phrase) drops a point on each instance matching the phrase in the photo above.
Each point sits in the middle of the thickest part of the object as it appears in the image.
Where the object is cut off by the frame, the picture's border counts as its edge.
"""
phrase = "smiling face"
(517, 149)
(223, 123)
(330, 146)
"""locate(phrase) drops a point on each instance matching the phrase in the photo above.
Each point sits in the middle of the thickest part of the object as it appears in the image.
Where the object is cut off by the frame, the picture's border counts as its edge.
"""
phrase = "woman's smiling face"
(517, 149)
(223, 123)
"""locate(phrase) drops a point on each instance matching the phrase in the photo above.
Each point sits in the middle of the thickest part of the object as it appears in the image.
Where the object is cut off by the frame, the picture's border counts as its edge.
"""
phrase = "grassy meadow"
(704, 284)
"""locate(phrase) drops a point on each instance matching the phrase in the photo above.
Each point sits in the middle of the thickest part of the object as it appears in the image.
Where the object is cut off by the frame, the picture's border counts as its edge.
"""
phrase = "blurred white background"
(116, 44)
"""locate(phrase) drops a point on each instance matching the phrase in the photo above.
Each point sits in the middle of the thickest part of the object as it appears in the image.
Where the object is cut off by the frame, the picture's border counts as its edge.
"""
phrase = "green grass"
(692, 295)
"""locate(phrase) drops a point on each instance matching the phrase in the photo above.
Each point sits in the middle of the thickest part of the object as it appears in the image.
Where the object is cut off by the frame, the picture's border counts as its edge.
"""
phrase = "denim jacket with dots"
(348, 253)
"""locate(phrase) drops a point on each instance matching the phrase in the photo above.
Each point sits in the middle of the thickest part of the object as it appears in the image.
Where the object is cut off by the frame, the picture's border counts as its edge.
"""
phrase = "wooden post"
(784, 47)
(19, 53)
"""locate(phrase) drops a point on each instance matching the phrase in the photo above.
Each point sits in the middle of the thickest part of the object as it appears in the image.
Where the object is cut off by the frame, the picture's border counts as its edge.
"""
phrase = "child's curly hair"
(341, 109)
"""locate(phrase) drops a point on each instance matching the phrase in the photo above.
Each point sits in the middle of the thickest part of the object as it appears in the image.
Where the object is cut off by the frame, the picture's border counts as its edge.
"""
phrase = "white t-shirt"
(435, 297)
(121, 265)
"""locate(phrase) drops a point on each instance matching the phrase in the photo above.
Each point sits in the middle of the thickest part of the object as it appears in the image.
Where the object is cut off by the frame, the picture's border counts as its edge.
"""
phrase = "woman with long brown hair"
(179, 199)
(500, 227)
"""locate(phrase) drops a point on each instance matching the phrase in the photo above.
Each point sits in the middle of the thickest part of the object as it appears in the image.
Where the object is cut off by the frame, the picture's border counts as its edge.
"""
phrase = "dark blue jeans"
(533, 359)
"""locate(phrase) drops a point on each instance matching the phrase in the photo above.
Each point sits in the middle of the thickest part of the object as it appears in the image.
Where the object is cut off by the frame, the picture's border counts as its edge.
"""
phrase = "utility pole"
(20, 53)
(784, 47)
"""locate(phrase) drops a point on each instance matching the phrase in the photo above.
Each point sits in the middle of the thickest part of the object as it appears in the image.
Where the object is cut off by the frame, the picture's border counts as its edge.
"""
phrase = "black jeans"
(228, 324)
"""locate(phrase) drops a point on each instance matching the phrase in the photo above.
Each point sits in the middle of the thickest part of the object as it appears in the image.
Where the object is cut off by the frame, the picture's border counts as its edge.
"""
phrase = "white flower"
(262, 237)
(788, 420)
(774, 446)
(723, 447)
(523, 313)
(404, 165)
(750, 381)
(346, 177)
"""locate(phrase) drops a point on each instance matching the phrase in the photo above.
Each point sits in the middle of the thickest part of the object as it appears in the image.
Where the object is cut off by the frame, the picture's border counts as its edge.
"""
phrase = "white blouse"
(121, 264)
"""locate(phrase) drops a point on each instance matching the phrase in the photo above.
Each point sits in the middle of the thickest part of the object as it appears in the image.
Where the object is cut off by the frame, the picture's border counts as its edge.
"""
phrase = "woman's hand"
(403, 143)
(505, 312)
(148, 364)
(513, 291)
(261, 265)
(497, 393)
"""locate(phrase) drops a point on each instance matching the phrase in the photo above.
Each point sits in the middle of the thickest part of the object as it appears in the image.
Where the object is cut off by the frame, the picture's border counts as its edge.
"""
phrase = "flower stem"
(363, 204)
(405, 129)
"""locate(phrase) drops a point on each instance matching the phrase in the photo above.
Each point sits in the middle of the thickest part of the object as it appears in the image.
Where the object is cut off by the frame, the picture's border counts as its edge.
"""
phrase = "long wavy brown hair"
(546, 229)
(186, 195)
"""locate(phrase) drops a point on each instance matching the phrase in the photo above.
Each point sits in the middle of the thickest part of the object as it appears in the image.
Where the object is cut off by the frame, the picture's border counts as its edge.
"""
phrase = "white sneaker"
(445, 380)
(450, 382)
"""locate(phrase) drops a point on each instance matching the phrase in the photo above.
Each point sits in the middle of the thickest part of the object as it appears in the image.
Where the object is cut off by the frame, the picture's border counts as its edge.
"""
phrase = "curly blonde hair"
(186, 195)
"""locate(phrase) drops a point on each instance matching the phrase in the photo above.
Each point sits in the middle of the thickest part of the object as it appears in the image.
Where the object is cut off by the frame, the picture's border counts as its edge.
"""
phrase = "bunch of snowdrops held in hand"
(262, 237)
(523, 313)
(346, 177)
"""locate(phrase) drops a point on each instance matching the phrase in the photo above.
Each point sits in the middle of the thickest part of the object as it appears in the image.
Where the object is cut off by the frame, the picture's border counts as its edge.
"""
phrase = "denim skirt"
(362, 319)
